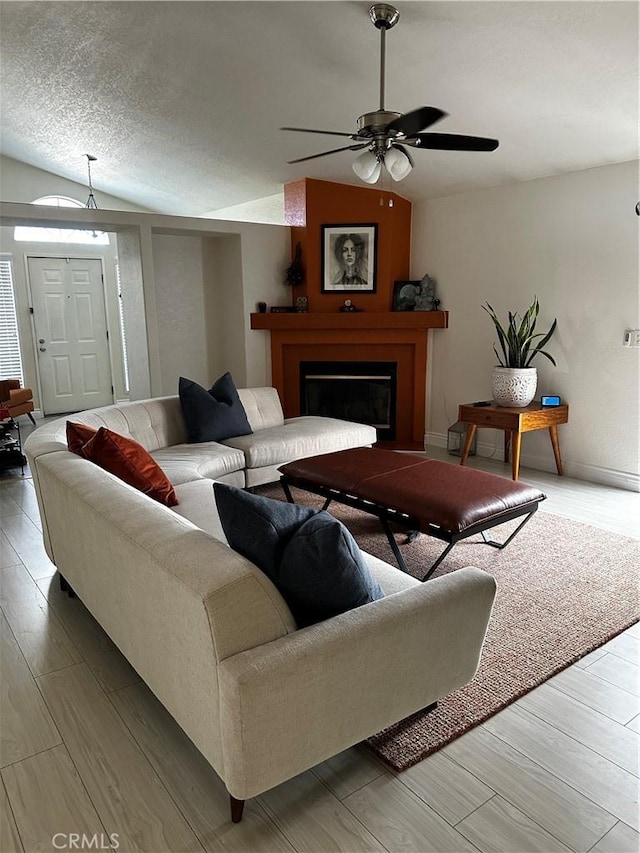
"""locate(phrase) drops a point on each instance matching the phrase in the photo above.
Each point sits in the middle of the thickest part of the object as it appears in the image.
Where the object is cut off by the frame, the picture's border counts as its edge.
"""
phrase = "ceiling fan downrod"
(383, 16)
(373, 125)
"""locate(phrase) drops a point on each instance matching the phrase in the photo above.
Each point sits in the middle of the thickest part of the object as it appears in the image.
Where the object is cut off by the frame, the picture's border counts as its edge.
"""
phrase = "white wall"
(263, 270)
(21, 182)
(205, 289)
(268, 210)
(572, 240)
(179, 291)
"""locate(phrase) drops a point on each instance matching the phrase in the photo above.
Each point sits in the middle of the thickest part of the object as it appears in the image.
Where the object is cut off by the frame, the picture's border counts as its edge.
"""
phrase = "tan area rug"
(564, 588)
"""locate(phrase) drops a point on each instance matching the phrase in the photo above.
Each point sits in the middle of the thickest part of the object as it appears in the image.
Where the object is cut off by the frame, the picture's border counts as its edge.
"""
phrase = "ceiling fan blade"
(311, 130)
(454, 142)
(333, 151)
(417, 120)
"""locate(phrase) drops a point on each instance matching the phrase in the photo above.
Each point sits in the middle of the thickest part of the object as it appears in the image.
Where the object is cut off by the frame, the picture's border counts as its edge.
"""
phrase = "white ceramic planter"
(514, 386)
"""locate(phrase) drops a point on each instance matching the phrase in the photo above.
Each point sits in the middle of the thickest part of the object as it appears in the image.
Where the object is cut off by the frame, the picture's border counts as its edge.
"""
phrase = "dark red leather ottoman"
(442, 500)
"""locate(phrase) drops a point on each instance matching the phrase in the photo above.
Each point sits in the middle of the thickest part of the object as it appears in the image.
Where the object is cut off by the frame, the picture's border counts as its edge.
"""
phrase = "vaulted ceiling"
(181, 102)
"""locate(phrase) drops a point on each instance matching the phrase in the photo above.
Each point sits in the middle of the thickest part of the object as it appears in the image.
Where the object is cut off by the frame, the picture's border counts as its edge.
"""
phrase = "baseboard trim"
(578, 470)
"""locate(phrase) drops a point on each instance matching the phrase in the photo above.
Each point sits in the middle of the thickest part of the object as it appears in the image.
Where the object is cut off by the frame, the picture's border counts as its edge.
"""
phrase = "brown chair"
(18, 401)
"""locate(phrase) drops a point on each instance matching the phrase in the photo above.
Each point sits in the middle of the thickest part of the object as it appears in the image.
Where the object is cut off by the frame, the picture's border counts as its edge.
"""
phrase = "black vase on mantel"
(295, 270)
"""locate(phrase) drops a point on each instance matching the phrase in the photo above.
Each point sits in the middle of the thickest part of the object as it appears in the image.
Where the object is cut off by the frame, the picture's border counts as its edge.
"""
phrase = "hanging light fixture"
(367, 167)
(91, 201)
(398, 163)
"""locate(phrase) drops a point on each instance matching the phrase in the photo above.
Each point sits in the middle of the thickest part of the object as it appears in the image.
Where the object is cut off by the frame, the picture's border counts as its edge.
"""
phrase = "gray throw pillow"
(256, 527)
(323, 573)
(215, 414)
(310, 556)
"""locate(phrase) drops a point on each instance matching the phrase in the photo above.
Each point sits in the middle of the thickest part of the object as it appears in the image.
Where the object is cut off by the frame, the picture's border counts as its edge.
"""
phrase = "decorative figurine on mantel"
(348, 307)
(425, 298)
(302, 305)
(295, 271)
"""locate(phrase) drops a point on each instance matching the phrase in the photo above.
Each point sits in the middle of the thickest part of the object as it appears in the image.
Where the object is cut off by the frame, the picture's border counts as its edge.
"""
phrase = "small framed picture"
(349, 258)
(404, 295)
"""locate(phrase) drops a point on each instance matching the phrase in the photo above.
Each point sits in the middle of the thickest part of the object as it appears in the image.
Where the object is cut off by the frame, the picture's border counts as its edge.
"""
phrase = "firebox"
(360, 391)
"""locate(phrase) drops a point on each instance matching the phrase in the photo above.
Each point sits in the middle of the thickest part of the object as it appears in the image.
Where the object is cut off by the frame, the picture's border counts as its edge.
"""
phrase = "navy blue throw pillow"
(323, 573)
(215, 414)
(310, 556)
(257, 527)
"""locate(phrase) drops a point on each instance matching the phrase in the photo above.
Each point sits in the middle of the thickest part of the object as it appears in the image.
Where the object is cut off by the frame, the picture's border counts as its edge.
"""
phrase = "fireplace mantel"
(398, 336)
(352, 320)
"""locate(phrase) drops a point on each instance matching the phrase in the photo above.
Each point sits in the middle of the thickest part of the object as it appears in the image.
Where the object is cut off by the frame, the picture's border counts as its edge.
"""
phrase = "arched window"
(36, 234)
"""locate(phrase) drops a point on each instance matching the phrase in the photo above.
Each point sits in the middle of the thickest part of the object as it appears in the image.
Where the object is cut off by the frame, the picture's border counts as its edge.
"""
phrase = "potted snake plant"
(514, 380)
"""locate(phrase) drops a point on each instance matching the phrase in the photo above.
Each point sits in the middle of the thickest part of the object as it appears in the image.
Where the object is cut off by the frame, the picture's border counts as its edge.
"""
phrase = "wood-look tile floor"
(86, 749)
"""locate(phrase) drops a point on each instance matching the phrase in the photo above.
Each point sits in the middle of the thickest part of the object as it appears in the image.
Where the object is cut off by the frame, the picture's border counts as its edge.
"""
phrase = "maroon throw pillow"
(128, 460)
(78, 435)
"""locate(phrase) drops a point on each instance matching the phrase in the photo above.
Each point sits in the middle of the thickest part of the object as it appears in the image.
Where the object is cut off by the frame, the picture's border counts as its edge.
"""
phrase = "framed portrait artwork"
(349, 258)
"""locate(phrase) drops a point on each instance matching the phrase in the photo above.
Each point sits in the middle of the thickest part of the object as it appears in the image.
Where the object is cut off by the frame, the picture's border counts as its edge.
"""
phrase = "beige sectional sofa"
(207, 630)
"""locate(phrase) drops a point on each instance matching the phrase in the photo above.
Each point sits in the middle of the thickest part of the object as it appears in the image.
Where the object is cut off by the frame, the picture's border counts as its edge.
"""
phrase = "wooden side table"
(514, 422)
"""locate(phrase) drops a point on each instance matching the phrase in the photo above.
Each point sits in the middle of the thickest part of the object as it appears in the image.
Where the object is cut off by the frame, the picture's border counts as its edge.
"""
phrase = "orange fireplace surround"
(400, 337)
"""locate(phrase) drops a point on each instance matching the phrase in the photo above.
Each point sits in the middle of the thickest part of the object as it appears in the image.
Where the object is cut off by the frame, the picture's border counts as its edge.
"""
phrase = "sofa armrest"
(307, 696)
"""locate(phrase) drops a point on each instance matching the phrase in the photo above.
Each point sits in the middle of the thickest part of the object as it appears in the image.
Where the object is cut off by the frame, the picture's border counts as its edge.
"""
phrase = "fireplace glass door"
(360, 391)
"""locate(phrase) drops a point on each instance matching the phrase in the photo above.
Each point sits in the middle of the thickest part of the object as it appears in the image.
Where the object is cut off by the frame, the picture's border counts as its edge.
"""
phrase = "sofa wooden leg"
(236, 809)
(31, 418)
(64, 586)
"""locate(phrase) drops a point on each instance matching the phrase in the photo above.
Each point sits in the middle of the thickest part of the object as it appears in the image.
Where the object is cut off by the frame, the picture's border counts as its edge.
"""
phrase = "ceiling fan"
(386, 134)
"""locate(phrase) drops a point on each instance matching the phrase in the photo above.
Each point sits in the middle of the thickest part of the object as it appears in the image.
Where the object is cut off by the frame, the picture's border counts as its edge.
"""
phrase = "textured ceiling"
(181, 101)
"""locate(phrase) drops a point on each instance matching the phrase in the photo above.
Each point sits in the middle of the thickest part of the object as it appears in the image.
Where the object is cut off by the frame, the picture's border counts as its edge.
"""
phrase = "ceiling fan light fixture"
(397, 163)
(367, 167)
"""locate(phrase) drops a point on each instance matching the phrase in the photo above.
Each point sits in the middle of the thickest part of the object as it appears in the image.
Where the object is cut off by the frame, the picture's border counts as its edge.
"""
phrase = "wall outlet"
(631, 338)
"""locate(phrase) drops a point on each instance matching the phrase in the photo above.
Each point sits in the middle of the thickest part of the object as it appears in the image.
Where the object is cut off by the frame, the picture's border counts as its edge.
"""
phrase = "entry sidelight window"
(10, 358)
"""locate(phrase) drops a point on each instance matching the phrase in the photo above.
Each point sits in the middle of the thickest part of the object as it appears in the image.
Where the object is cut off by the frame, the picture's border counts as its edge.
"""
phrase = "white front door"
(71, 334)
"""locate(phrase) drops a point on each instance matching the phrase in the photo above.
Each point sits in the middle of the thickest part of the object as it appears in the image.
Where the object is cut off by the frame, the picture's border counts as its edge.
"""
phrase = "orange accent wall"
(310, 203)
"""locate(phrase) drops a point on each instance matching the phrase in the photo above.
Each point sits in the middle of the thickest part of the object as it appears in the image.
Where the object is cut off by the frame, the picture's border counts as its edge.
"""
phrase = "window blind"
(10, 358)
(125, 360)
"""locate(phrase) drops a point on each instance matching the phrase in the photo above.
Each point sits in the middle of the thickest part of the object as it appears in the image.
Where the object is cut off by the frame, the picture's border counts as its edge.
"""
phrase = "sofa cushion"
(263, 407)
(129, 461)
(208, 459)
(300, 437)
(310, 556)
(215, 414)
(78, 435)
(257, 527)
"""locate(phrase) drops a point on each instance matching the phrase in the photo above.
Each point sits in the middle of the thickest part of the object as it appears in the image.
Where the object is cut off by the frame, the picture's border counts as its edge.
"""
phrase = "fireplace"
(360, 391)
(399, 337)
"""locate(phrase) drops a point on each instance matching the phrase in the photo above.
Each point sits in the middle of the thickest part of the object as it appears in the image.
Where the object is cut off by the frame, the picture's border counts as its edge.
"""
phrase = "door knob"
(41, 341)
(43, 349)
